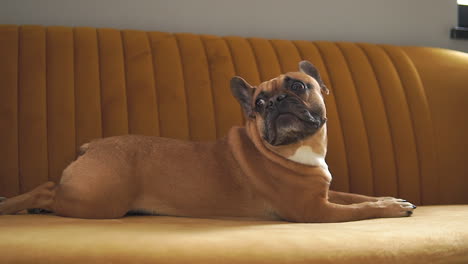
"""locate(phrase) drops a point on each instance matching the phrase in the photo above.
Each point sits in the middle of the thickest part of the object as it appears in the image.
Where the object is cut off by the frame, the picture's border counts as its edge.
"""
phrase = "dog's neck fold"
(310, 151)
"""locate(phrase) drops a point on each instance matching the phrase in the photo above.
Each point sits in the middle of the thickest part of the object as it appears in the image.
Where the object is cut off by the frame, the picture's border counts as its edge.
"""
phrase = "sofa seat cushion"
(434, 234)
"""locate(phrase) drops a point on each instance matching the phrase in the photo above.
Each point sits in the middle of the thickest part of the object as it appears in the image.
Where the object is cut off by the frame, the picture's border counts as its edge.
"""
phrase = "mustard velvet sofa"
(398, 126)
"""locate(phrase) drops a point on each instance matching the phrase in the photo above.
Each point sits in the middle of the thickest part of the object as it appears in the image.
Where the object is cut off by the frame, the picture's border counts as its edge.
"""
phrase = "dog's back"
(158, 176)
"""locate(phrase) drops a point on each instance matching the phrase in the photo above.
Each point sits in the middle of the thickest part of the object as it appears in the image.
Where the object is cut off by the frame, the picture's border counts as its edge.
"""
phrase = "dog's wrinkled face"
(287, 108)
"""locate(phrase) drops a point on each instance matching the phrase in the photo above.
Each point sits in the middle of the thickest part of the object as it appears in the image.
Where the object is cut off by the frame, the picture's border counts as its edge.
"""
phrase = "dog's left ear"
(309, 69)
(243, 92)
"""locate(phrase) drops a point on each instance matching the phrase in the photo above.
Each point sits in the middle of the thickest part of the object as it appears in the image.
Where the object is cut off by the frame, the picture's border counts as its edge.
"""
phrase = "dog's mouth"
(284, 119)
(283, 128)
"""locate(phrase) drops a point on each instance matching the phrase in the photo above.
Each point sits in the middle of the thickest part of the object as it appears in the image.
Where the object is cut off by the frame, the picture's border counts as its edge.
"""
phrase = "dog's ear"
(309, 69)
(243, 92)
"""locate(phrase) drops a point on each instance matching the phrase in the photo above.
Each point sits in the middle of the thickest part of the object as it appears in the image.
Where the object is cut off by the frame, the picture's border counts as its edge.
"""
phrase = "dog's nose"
(276, 99)
(281, 97)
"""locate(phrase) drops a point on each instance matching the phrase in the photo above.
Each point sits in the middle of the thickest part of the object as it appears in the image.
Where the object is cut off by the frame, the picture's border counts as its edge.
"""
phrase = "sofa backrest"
(397, 115)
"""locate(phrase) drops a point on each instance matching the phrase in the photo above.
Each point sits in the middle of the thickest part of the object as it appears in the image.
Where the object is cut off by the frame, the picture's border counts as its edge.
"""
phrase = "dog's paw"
(395, 207)
(2, 209)
(38, 211)
(43, 195)
(386, 198)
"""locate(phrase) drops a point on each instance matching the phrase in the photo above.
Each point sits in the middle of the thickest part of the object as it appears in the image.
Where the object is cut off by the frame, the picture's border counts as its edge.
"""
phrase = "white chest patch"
(305, 155)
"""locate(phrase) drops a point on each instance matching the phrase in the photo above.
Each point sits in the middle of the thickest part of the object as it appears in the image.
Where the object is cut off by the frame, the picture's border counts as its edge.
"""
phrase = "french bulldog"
(273, 168)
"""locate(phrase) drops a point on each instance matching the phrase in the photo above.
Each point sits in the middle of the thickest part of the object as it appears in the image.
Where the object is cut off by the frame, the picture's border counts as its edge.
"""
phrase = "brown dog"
(274, 168)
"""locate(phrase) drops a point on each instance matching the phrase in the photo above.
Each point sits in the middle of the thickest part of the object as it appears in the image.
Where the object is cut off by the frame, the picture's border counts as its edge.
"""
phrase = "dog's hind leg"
(41, 197)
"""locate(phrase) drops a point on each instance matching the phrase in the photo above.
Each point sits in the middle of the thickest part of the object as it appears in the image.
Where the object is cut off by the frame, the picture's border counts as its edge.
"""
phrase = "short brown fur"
(240, 175)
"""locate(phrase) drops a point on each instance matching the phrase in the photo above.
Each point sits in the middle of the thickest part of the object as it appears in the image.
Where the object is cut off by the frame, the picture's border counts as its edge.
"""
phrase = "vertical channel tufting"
(228, 112)
(87, 87)
(235, 73)
(421, 121)
(375, 119)
(213, 101)
(141, 97)
(287, 54)
(32, 108)
(169, 80)
(112, 73)
(336, 156)
(61, 87)
(60, 100)
(243, 58)
(267, 62)
(157, 131)
(9, 172)
(244, 61)
(399, 121)
(444, 77)
(357, 149)
(197, 87)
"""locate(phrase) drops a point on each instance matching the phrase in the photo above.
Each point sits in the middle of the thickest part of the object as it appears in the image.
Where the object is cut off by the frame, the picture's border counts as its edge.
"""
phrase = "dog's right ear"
(309, 69)
(243, 92)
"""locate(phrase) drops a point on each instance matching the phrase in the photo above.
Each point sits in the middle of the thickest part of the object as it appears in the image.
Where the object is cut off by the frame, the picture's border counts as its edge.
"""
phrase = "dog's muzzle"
(288, 120)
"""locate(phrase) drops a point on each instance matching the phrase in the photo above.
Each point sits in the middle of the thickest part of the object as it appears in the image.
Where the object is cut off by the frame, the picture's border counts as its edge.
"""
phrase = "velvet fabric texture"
(396, 127)
(395, 114)
(434, 234)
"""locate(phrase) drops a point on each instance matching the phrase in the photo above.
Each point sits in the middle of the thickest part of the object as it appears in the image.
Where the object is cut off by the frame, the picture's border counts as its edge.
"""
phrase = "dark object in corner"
(463, 16)
(461, 31)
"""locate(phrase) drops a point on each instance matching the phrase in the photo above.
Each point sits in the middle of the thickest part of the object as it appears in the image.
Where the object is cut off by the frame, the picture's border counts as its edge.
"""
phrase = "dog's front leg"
(331, 212)
(326, 212)
(352, 198)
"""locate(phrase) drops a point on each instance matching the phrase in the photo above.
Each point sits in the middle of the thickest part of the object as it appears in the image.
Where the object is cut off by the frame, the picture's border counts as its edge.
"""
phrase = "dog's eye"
(297, 86)
(260, 103)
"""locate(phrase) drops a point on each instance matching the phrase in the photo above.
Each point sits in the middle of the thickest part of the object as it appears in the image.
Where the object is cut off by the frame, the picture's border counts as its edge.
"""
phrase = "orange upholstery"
(397, 115)
(433, 235)
(397, 126)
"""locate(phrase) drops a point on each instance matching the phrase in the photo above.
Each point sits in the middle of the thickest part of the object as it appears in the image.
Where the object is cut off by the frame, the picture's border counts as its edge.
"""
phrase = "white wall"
(405, 22)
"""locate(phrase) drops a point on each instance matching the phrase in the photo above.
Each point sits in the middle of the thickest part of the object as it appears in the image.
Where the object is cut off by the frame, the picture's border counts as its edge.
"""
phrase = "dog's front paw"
(394, 207)
(387, 198)
(2, 209)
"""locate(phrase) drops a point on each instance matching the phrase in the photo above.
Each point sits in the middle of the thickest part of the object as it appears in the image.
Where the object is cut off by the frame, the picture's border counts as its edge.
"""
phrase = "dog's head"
(286, 109)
